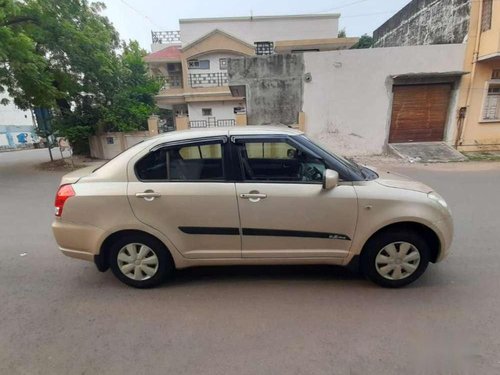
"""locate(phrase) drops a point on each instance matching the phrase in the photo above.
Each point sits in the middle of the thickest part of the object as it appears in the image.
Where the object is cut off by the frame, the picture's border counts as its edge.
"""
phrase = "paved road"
(61, 316)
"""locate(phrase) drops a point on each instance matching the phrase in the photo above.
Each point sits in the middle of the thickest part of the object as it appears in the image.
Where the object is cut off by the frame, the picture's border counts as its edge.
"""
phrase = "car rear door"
(182, 191)
(284, 211)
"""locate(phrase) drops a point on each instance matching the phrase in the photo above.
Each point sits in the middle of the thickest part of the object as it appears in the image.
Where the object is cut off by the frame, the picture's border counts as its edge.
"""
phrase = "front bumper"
(77, 240)
(444, 229)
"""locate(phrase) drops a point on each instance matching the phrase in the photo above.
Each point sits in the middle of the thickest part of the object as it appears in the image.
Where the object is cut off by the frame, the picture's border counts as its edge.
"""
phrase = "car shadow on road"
(286, 273)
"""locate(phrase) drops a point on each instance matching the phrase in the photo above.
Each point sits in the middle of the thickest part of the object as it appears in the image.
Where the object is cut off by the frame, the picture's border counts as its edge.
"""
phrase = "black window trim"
(221, 138)
(225, 150)
(232, 169)
(271, 138)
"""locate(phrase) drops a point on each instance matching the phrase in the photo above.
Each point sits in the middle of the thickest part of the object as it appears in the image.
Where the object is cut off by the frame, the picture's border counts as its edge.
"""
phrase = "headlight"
(437, 198)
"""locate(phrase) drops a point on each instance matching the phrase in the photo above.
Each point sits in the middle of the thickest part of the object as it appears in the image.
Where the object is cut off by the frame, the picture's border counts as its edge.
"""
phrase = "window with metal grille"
(487, 14)
(491, 111)
(174, 67)
(264, 48)
(495, 74)
(223, 64)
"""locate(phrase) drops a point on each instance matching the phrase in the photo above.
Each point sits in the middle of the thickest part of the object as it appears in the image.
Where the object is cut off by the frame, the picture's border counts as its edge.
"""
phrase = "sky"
(134, 19)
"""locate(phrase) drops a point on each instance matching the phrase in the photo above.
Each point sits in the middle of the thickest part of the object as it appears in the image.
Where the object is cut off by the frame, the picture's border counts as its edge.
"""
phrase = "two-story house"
(193, 60)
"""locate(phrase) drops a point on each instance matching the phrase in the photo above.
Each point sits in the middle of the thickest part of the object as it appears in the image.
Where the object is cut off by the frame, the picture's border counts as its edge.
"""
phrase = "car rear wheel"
(395, 258)
(140, 261)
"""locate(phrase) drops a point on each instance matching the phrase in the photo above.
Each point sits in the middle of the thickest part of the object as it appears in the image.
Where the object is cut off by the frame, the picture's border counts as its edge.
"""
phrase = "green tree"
(366, 41)
(19, 60)
(65, 55)
(68, 50)
(133, 102)
(126, 108)
(341, 33)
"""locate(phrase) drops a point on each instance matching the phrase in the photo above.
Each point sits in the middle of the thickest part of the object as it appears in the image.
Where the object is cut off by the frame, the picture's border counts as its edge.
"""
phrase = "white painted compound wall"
(348, 102)
(16, 125)
(220, 110)
(10, 114)
(266, 28)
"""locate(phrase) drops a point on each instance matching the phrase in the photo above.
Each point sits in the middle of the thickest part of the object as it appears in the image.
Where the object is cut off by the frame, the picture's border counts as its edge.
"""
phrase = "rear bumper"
(77, 240)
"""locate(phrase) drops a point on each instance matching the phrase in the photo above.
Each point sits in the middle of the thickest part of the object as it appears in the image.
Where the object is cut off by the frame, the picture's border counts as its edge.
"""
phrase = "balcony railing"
(208, 79)
(166, 37)
(226, 122)
(198, 124)
(171, 81)
(211, 123)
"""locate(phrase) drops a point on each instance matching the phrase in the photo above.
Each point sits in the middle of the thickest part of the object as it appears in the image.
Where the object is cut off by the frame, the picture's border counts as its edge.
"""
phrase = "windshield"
(367, 173)
(348, 162)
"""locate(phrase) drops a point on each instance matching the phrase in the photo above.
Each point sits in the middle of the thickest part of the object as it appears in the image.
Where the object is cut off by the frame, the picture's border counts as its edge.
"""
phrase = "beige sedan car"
(247, 196)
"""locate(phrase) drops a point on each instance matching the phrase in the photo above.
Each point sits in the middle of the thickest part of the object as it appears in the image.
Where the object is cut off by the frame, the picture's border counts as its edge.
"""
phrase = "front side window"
(200, 162)
(491, 111)
(278, 161)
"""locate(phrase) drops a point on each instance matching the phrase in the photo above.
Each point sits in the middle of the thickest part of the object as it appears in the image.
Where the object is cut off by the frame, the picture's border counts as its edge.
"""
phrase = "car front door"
(284, 210)
(181, 190)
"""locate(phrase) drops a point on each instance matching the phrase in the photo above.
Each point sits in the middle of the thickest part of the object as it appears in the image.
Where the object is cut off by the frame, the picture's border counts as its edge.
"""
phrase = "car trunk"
(74, 176)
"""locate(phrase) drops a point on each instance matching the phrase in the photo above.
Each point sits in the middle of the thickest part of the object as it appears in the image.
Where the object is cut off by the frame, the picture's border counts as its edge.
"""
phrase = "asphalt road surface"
(61, 316)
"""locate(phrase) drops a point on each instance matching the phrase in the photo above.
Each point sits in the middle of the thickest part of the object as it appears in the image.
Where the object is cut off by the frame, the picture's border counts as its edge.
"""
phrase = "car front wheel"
(140, 261)
(395, 258)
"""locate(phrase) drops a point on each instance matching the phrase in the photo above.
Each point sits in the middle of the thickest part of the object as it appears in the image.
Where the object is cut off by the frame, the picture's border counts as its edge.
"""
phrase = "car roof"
(220, 131)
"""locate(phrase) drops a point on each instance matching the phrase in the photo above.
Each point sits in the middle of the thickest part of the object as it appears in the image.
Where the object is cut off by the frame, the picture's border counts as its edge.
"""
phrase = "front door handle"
(148, 195)
(253, 196)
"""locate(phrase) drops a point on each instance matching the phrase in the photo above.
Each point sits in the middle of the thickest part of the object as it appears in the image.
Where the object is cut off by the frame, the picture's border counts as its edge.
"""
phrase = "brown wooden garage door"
(419, 113)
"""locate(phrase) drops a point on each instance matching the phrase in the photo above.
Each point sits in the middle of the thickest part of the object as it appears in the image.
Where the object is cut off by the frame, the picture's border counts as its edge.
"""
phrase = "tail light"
(64, 192)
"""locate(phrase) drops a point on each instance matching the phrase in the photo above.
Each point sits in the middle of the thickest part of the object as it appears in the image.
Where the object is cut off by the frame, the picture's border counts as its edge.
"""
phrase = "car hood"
(399, 181)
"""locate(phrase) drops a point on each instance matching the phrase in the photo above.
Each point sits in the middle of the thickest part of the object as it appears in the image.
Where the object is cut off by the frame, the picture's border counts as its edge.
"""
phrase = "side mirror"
(330, 180)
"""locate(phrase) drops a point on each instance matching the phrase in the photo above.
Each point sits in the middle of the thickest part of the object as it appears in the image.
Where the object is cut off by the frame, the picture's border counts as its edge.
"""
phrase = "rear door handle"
(148, 195)
(253, 197)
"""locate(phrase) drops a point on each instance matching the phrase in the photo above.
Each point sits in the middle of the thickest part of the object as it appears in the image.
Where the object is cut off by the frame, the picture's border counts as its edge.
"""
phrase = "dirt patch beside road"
(59, 165)
(65, 164)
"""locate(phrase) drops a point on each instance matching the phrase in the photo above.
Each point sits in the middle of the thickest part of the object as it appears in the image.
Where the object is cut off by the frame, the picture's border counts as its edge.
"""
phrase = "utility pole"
(44, 126)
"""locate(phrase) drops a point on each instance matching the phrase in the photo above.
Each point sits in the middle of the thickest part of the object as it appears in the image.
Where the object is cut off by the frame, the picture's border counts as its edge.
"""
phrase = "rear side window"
(200, 162)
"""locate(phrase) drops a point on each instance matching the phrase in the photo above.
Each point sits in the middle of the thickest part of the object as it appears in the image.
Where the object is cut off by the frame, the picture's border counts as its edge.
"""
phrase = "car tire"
(394, 259)
(140, 261)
